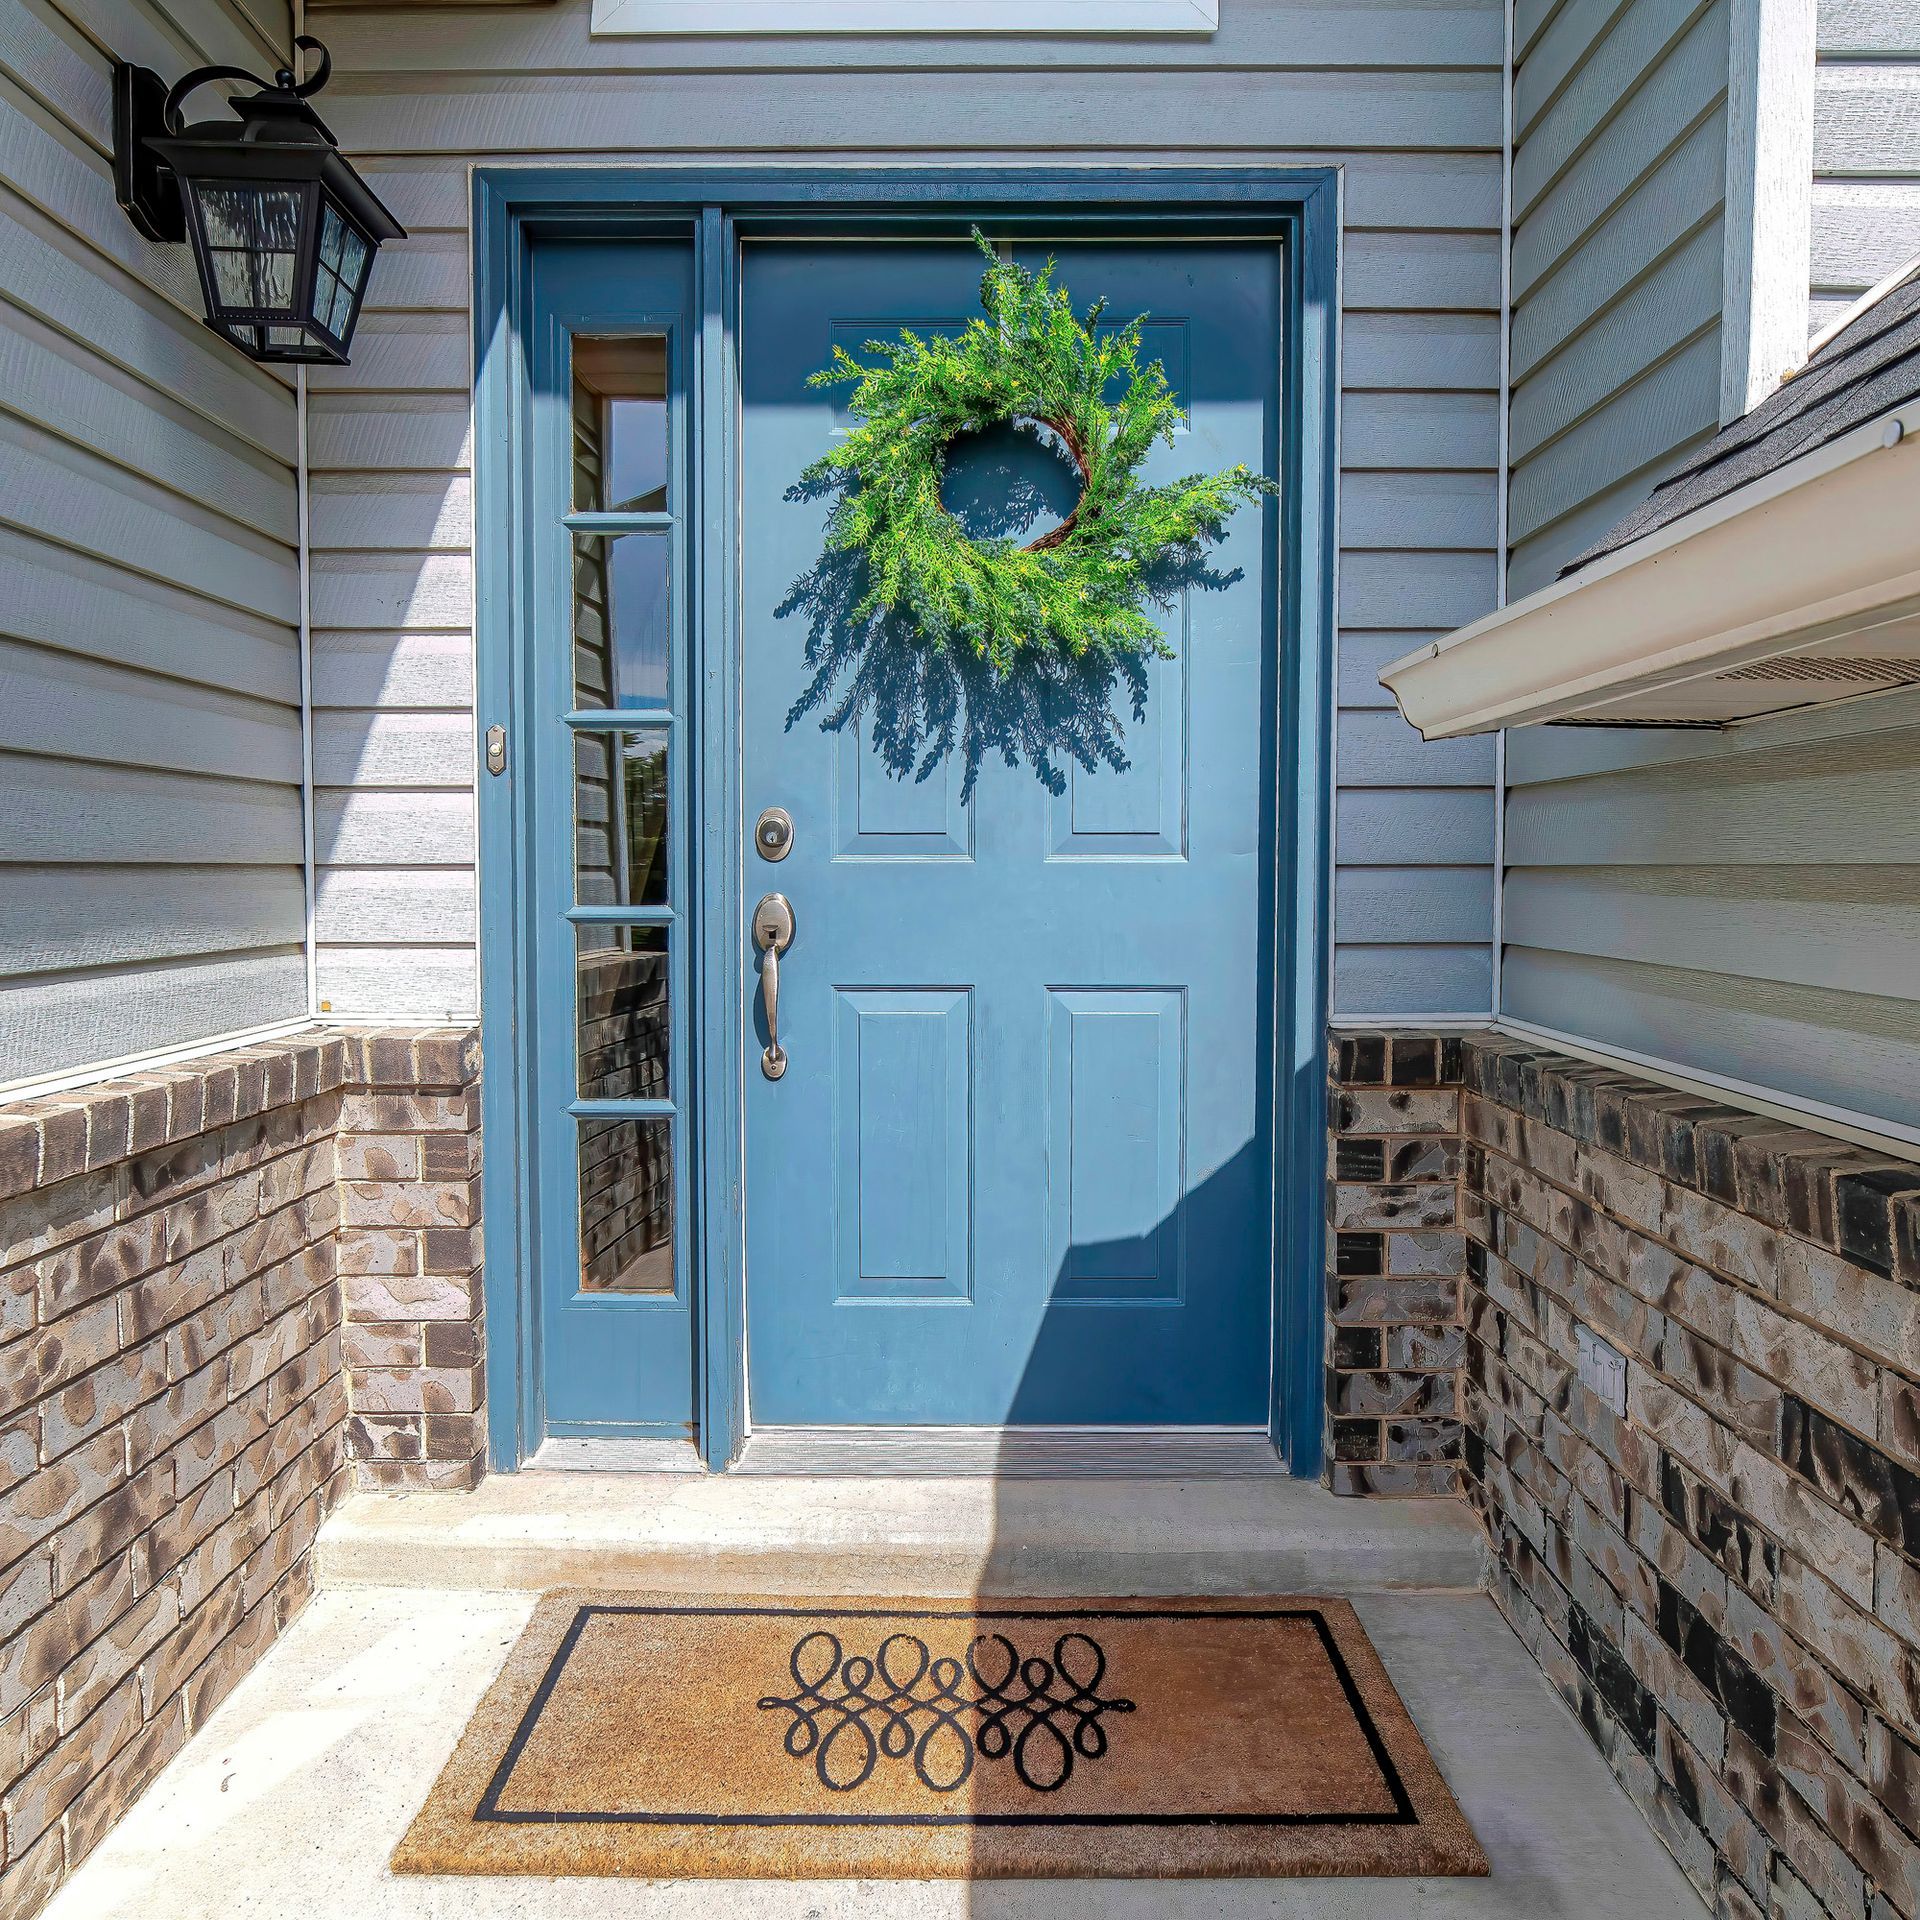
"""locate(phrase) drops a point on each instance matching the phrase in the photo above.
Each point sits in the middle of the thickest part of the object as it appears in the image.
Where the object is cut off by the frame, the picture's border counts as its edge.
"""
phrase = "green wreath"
(1082, 588)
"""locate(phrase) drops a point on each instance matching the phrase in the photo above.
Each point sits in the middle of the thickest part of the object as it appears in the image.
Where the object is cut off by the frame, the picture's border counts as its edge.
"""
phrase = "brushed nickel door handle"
(773, 935)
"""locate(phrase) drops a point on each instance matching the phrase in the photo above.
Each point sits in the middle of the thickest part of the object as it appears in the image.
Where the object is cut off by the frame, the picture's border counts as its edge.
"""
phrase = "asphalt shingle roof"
(1870, 366)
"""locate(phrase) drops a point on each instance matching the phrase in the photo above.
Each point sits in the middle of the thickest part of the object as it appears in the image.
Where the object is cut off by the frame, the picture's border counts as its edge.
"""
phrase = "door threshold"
(616, 1455)
(1012, 1453)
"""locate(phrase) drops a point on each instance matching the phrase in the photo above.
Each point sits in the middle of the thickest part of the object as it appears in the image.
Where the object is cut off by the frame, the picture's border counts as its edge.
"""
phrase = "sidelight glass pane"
(622, 619)
(620, 424)
(622, 1028)
(626, 1206)
(620, 818)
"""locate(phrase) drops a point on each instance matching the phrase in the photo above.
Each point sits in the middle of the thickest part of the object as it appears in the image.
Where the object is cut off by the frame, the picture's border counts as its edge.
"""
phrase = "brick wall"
(1710, 1536)
(174, 1407)
(1396, 1261)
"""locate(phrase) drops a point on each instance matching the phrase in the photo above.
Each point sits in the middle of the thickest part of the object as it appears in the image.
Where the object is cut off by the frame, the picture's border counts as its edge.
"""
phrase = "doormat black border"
(490, 1810)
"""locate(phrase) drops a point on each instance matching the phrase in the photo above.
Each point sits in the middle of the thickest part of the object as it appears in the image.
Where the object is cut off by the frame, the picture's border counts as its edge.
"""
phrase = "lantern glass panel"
(252, 236)
(339, 273)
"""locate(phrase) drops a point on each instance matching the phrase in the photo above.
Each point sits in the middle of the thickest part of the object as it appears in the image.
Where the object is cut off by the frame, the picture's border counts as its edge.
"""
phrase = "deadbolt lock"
(773, 834)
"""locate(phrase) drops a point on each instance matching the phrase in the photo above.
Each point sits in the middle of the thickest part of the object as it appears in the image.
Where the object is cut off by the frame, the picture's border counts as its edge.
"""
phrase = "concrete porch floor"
(290, 1800)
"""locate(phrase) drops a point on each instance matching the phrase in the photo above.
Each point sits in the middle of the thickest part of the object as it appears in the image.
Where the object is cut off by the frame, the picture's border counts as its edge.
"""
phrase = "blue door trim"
(712, 208)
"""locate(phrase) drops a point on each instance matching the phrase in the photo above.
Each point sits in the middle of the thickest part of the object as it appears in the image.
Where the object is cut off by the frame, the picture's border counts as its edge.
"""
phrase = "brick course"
(1722, 1575)
(176, 1373)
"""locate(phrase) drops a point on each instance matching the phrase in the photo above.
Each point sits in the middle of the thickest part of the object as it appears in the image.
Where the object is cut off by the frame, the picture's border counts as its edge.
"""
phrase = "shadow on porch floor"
(290, 1800)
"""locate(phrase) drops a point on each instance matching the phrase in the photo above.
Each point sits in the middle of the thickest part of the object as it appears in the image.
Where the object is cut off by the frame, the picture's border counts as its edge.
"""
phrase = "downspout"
(307, 837)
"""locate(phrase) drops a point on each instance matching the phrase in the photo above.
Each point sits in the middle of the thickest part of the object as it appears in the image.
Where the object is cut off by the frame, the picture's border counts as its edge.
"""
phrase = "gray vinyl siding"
(1745, 902)
(1619, 191)
(1406, 96)
(151, 888)
(1866, 149)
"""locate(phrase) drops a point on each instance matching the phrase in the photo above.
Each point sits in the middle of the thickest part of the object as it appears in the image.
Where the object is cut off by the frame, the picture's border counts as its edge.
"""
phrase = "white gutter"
(1823, 546)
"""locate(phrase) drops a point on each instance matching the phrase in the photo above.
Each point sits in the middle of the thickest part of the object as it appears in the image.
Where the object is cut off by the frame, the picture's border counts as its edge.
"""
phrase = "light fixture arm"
(283, 81)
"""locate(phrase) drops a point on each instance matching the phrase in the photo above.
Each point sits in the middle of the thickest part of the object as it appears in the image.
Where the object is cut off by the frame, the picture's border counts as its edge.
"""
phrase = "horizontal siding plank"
(424, 271)
(365, 750)
(401, 983)
(381, 907)
(1648, 79)
(388, 829)
(392, 592)
(65, 599)
(64, 389)
(1869, 27)
(1363, 655)
(1385, 189)
(373, 512)
(1252, 33)
(54, 1022)
(1399, 509)
(392, 670)
(1854, 1051)
(62, 812)
(138, 33)
(1853, 928)
(1851, 809)
(1555, 59)
(1386, 589)
(59, 492)
(1451, 828)
(1427, 430)
(1533, 562)
(70, 179)
(48, 59)
(1379, 749)
(1614, 87)
(48, 274)
(1571, 259)
(1420, 351)
(1862, 233)
(1409, 981)
(1866, 119)
(1195, 111)
(390, 433)
(1639, 433)
(55, 919)
(83, 709)
(1426, 272)
(403, 353)
(1413, 906)
(1681, 299)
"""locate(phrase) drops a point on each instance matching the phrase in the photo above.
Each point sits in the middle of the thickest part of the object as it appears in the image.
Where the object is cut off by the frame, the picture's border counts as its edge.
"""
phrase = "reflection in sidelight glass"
(622, 620)
(620, 818)
(620, 424)
(626, 1206)
(621, 1026)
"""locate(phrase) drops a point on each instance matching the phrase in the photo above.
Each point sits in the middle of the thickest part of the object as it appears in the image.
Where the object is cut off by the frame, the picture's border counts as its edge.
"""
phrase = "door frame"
(713, 210)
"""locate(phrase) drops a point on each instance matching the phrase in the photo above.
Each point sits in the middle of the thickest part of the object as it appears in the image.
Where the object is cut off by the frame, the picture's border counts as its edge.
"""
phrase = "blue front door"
(1019, 1167)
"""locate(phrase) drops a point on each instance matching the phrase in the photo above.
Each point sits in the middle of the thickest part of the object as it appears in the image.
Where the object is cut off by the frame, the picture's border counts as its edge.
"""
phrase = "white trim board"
(1769, 209)
(905, 16)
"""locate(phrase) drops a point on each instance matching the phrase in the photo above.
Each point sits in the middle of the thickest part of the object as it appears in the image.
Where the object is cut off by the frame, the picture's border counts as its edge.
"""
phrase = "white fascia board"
(905, 16)
(1828, 540)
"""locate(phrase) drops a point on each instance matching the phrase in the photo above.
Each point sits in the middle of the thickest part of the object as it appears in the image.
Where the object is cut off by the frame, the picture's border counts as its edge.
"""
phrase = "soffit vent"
(1859, 671)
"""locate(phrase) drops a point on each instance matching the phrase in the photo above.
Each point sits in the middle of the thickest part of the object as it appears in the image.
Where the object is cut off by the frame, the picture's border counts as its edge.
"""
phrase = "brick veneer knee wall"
(1720, 1570)
(174, 1409)
(1396, 1263)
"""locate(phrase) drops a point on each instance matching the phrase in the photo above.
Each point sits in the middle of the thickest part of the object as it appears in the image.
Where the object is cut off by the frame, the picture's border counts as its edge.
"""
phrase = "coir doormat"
(921, 1739)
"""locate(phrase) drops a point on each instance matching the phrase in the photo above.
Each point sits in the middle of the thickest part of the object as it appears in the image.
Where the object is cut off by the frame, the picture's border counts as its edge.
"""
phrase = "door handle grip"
(772, 934)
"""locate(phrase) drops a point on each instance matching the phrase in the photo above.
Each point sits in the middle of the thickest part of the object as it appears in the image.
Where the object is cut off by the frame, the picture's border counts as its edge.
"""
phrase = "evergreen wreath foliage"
(1082, 588)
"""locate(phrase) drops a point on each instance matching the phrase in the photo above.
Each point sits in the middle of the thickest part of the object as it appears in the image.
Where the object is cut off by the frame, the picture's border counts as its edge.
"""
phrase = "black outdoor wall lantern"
(284, 231)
